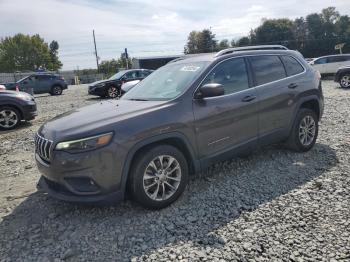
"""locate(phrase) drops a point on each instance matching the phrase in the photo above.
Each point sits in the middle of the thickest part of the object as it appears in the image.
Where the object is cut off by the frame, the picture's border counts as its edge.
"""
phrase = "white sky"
(146, 28)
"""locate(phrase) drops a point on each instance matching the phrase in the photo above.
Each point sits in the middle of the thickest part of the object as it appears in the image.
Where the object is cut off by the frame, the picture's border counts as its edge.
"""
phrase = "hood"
(96, 118)
(13, 93)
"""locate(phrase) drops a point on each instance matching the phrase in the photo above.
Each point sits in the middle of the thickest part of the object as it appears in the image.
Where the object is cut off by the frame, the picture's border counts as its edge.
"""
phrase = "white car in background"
(128, 85)
(330, 64)
(2, 87)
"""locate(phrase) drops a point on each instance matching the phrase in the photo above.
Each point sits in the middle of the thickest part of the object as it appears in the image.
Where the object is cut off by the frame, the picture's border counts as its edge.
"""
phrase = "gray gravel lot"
(274, 205)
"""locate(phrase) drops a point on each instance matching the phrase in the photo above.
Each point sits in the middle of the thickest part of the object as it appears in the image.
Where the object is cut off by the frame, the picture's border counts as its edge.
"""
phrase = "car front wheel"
(10, 118)
(345, 81)
(304, 132)
(113, 92)
(158, 177)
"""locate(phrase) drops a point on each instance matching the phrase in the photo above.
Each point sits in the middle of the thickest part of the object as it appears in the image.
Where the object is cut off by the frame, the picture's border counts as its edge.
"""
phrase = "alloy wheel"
(162, 178)
(307, 130)
(113, 92)
(8, 118)
(345, 81)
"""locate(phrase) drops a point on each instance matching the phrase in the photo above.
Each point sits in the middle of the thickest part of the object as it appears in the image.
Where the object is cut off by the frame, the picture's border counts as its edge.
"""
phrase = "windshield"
(22, 79)
(117, 75)
(167, 82)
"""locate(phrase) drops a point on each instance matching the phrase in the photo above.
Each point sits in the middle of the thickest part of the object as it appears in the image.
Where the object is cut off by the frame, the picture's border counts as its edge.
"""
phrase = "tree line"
(28, 53)
(314, 35)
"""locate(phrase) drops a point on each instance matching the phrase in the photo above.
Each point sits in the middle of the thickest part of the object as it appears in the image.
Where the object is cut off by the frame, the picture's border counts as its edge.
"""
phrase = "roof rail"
(248, 48)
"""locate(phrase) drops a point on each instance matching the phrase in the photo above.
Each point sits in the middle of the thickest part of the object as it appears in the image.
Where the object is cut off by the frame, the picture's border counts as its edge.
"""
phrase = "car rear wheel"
(158, 177)
(345, 81)
(113, 92)
(10, 118)
(56, 90)
(304, 132)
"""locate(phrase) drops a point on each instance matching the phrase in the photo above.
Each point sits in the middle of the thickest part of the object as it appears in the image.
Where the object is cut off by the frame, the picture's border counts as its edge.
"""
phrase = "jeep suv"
(179, 120)
(40, 83)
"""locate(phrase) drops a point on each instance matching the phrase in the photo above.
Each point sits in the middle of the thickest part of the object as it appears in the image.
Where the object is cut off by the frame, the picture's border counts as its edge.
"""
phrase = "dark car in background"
(343, 77)
(111, 87)
(15, 107)
(185, 116)
(40, 83)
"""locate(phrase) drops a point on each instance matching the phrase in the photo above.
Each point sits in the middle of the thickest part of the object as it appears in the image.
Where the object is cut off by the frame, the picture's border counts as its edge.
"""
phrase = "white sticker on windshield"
(190, 68)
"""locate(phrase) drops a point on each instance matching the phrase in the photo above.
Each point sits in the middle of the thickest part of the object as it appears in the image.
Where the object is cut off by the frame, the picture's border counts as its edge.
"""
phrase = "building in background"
(152, 62)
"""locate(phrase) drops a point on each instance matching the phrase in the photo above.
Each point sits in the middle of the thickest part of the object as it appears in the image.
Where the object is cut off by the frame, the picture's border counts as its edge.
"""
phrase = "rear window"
(292, 66)
(267, 69)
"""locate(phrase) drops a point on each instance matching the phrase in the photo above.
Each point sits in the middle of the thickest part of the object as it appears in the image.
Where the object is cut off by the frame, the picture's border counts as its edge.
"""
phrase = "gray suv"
(185, 116)
(40, 83)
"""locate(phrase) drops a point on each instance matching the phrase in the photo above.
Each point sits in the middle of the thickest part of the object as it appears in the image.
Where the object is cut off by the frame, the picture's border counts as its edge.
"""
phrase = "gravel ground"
(274, 205)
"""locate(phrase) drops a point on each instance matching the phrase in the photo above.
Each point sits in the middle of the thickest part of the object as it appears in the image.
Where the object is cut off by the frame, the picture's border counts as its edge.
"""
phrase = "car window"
(144, 73)
(232, 74)
(292, 66)
(321, 61)
(132, 75)
(267, 68)
(335, 59)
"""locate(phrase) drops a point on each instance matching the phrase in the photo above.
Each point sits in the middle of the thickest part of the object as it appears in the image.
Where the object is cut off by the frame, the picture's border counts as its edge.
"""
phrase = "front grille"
(43, 147)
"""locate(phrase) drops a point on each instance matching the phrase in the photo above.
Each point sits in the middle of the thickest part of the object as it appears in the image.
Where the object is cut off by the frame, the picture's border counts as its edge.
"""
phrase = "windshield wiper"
(138, 99)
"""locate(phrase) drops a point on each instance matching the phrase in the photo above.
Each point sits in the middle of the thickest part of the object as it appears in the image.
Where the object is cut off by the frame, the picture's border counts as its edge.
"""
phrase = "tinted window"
(292, 66)
(267, 69)
(337, 59)
(232, 74)
(321, 61)
(144, 73)
(132, 75)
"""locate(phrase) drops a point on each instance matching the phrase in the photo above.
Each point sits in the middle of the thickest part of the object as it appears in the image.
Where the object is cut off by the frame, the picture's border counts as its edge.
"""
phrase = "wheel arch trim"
(153, 140)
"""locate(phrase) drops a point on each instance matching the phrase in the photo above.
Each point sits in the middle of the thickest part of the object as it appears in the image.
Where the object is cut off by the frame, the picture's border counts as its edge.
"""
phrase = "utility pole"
(93, 33)
(126, 58)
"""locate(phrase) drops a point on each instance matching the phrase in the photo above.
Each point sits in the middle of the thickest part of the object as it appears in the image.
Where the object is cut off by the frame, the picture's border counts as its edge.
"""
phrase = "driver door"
(229, 121)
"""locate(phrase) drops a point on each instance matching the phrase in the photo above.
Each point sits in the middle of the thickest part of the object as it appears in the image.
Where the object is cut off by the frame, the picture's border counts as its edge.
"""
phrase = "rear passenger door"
(231, 120)
(277, 83)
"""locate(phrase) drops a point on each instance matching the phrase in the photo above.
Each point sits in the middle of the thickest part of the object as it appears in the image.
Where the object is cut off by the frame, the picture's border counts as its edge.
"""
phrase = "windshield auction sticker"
(190, 68)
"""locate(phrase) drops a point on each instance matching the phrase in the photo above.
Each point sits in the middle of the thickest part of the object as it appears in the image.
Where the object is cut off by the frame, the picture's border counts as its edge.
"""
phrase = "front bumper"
(97, 91)
(89, 177)
(29, 112)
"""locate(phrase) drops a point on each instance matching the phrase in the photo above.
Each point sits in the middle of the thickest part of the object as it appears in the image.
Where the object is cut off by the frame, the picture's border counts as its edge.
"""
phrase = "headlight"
(85, 144)
(25, 97)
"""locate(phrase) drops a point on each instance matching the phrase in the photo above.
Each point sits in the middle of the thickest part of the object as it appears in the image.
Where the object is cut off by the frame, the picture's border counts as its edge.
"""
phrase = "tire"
(56, 90)
(113, 92)
(304, 132)
(148, 188)
(345, 81)
(10, 118)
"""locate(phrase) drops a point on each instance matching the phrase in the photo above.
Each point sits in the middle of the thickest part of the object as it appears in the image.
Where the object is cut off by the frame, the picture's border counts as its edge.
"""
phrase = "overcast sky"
(145, 27)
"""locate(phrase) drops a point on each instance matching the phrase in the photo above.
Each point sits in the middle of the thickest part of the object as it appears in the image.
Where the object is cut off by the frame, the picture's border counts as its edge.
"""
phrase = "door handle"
(248, 98)
(292, 85)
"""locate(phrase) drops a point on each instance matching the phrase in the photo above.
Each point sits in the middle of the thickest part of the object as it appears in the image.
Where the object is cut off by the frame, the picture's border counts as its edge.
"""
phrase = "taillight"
(318, 74)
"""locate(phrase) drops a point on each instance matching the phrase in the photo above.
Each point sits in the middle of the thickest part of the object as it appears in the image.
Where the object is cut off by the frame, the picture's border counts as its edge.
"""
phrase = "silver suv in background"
(179, 120)
(329, 65)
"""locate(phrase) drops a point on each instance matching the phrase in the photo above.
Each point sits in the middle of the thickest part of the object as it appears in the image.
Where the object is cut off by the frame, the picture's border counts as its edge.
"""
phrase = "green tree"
(110, 67)
(26, 53)
(243, 41)
(55, 62)
(200, 42)
(223, 44)
(274, 31)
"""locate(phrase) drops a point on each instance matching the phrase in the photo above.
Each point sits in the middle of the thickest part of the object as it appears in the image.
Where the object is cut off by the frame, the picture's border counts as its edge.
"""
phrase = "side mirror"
(210, 90)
